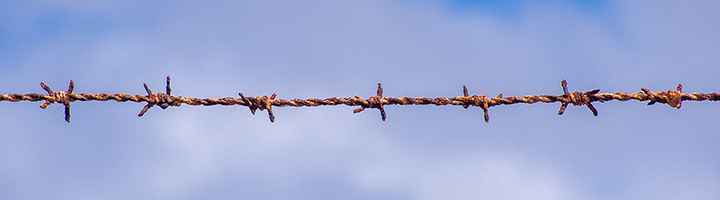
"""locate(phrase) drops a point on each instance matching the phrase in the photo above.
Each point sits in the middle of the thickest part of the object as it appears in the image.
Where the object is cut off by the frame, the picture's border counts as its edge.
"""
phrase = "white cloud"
(485, 174)
(332, 48)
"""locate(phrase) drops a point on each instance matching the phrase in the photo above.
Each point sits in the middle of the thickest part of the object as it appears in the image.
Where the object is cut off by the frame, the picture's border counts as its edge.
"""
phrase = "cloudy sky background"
(319, 49)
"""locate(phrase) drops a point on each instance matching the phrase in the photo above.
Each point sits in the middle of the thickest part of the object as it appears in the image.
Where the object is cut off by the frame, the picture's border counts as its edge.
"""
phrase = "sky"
(320, 49)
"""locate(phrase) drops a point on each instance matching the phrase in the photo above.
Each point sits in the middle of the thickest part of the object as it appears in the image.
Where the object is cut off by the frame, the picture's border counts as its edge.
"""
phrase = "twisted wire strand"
(165, 100)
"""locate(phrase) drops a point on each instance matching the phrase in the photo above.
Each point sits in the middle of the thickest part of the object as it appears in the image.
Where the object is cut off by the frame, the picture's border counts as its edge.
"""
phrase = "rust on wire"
(577, 99)
(478, 101)
(374, 102)
(255, 103)
(164, 100)
(60, 97)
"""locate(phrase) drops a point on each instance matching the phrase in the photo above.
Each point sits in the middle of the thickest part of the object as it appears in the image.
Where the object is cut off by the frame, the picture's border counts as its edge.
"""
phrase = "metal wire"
(165, 100)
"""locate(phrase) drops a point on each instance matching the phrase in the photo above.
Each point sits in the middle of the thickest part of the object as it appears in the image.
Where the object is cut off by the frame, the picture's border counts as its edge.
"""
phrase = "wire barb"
(60, 97)
(260, 102)
(577, 99)
(671, 98)
(375, 102)
(477, 100)
(164, 100)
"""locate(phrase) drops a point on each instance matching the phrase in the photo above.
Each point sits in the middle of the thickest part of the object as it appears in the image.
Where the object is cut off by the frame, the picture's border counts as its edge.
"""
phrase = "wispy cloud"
(319, 49)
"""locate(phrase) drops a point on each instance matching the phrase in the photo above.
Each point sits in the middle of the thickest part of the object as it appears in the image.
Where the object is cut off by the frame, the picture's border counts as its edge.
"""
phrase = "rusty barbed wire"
(164, 100)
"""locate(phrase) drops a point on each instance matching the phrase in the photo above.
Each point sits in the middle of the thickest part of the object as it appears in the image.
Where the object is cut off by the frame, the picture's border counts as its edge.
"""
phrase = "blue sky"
(319, 49)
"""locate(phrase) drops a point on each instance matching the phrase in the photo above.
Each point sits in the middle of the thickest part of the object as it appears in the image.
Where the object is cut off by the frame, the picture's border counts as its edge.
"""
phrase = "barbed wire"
(164, 100)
